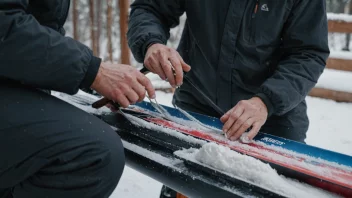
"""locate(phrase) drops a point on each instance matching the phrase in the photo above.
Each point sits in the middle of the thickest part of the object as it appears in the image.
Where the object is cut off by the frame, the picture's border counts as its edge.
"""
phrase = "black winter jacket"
(276, 50)
(35, 52)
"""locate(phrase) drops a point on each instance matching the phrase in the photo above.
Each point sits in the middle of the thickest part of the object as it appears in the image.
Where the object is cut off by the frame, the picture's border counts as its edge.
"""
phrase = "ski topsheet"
(318, 167)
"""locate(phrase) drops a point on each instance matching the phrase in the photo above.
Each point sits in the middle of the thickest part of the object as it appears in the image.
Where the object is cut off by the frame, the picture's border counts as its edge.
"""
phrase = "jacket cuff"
(147, 44)
(267, 102)
(91, 73)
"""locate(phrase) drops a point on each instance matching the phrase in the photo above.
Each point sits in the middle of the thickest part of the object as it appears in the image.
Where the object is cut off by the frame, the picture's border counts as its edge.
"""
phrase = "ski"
(318, 167)
(154, 145)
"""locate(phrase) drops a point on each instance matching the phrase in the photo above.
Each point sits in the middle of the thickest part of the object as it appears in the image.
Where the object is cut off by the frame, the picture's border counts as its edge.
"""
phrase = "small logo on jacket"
(265, 7)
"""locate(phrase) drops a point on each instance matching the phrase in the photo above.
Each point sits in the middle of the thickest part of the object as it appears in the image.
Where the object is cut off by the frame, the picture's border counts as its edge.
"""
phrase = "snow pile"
(339, 17)
(335, 80)
(341, 55)
(250, 169)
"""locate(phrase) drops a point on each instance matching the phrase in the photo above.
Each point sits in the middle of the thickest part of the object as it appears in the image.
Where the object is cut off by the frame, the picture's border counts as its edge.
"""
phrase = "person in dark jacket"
(255, 59)
(49, 148)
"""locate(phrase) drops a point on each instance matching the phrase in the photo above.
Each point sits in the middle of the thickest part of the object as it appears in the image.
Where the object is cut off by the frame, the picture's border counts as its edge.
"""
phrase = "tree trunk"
(92, 27)
(75, 20)
(98, 22)
(125, 51)
(108, 29)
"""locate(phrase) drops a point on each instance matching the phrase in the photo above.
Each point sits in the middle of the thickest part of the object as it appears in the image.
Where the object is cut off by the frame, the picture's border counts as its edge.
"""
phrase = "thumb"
(185, 66)
(225, 117)
(254, 131)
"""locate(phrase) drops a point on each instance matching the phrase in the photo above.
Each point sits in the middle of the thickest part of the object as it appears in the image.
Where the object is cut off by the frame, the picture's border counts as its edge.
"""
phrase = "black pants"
(49, 148)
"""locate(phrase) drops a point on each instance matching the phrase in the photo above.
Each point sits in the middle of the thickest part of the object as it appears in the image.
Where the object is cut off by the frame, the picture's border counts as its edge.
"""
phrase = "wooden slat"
(125, 51)
(339, 64)
(179, 195)
(339, 26)
(338, 96)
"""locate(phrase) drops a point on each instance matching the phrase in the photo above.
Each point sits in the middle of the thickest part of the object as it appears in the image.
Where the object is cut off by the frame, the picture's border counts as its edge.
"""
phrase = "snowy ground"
(329, 129)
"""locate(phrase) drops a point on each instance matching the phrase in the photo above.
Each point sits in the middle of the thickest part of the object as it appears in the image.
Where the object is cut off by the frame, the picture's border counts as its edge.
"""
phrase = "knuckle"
(241, 120)
(147, 61)
(141, 95)
(233, 116)
(129, 78)
(243, 102)
(245, 125)
(125, 89)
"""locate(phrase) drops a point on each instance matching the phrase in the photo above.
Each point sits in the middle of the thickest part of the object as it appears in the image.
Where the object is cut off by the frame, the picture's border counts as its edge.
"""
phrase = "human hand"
(160, 59)
(122, 84)
(247, 113)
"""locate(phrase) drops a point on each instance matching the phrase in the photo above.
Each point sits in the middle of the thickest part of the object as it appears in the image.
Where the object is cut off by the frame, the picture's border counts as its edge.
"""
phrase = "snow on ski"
(146, 134)
(319, 172)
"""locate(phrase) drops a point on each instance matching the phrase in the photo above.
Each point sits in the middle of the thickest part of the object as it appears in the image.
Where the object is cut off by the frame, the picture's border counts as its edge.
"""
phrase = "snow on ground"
(330, 125)
(341, 55)
(336, 80)
(339, 17)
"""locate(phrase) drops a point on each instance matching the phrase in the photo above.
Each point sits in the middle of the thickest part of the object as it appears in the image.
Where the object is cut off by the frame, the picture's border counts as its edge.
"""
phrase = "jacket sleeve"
(305, 50)
(150, 22)
(39, 56)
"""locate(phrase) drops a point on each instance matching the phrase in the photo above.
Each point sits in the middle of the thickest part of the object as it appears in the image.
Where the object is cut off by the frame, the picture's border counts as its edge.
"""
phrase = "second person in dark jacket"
(256, 59)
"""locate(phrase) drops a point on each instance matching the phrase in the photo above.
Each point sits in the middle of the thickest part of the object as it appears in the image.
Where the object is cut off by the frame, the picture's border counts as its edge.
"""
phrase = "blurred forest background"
(96, 23)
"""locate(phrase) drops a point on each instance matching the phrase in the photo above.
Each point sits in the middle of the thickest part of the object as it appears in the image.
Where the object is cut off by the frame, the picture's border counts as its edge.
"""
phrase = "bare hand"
(247, 113)
(158, 59)
(122, 84)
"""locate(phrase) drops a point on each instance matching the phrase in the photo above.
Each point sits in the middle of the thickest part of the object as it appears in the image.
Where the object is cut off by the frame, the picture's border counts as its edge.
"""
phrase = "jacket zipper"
(255, 9)
(254, 13)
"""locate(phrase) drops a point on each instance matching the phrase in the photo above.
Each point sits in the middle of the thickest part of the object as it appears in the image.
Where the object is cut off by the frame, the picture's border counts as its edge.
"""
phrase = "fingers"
(232, 118)
(165, 64)
(225, 117)
(237, 134)
(122, 100)
(254, 131)
(240, 123)
(185, 66)
(155, 66)
(148, 86)
(175, 62)
(140, 91)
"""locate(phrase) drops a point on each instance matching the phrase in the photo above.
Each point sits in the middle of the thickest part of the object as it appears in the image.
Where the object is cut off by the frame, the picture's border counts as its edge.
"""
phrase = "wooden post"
(125, 51)
(98, 22)
(338, 96)
(93, 27)
(75, 20)
(109, 29)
